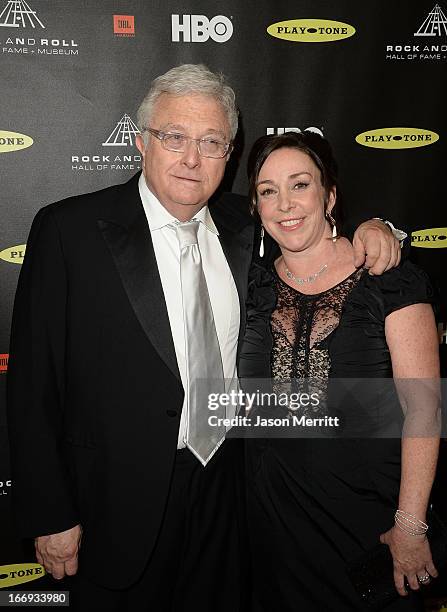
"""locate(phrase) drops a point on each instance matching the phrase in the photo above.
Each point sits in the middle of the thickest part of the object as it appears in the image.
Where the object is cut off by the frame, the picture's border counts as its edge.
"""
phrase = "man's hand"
(376, 247)
(58, 552)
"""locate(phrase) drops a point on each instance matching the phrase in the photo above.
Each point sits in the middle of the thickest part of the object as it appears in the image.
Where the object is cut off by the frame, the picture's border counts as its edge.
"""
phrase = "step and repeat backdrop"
(371, 75)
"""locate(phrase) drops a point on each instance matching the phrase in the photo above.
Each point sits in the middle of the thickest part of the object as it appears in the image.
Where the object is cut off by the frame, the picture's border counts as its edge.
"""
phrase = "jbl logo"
(4, 357)
(124, 25)
(198, 28)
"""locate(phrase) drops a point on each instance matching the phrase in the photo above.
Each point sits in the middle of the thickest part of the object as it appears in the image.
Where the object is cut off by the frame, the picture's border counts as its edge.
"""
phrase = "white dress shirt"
(221, 287)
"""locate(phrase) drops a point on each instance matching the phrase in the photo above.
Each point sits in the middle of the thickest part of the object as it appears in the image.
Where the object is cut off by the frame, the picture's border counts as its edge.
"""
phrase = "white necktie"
(203, 357)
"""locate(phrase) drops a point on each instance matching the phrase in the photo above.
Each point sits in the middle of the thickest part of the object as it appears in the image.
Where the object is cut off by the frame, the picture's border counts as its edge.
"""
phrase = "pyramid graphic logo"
(123, 134)
(435, 23)
(18, 14)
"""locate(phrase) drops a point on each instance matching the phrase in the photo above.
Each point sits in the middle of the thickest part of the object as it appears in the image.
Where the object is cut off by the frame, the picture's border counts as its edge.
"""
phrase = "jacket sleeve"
(254, 360)
(42, 494)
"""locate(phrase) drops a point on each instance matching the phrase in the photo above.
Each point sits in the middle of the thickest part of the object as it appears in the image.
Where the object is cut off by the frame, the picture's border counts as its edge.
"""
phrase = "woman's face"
(290, 199)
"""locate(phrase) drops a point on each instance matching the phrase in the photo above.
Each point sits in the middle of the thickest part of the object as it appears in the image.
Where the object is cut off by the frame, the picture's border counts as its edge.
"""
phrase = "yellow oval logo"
(434, 238)
(397, 138)
(13, 141)
(14, 254)
(311, 30)
(18, 573)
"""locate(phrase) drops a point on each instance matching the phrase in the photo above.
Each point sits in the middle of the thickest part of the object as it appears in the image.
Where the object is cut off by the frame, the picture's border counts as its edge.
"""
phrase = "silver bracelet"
(409, 523)
(399, 234)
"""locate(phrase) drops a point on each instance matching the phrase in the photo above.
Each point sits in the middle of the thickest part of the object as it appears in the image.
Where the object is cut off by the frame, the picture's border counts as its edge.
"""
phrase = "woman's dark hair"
(311, 143)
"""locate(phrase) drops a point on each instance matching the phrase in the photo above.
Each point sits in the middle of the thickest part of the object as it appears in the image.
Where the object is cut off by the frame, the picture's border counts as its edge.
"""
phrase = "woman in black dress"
(316, 504)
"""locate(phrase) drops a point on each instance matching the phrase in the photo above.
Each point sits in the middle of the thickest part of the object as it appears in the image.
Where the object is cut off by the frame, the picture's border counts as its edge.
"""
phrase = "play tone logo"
(4, 358)
(311, 30)
(14, 254)
(429, 42)
(18, 573)
(13, 141)
(122, 136)
(434, 238)
(124, 25)
(19, 15)
(397, 138)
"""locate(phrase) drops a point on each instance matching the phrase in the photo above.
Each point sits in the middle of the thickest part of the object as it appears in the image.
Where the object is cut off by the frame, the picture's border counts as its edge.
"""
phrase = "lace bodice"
(336, 334)
(301, 325)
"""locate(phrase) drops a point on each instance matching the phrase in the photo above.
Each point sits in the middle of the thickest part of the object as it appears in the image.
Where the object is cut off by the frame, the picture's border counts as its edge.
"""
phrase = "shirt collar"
(157, 215)
(204, 216)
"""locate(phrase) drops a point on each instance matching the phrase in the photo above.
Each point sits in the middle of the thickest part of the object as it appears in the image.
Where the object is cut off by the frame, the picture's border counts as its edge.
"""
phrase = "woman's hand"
(411, 558)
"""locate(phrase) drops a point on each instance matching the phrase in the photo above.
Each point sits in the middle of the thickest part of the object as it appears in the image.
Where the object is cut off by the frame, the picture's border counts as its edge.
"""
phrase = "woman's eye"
(300, 185)
(266, 192)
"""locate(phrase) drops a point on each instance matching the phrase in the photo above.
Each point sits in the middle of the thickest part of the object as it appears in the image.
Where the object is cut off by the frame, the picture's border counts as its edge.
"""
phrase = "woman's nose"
(285, 202)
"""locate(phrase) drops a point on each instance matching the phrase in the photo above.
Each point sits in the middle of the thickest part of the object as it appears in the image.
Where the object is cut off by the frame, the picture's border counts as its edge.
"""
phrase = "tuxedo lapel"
(126, 232)
(129, 240)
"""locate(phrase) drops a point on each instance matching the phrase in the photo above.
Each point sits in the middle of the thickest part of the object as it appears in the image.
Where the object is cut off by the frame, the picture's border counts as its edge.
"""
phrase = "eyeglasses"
(207, 147)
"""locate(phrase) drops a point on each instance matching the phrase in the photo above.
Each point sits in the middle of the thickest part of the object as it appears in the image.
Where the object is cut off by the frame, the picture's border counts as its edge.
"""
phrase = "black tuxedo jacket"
(94, 391)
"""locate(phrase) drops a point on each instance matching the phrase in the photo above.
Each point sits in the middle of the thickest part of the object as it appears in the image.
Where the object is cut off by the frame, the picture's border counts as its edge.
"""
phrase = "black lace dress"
(315, 504)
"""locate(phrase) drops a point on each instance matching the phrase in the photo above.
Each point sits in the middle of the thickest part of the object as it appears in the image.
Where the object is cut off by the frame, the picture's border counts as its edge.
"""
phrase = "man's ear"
(139, 141)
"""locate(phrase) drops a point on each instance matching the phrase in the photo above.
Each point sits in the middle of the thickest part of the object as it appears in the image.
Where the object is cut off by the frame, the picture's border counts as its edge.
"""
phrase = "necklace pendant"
(307, 279)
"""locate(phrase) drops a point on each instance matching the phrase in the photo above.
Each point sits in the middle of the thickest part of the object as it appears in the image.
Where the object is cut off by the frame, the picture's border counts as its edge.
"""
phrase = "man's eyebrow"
(173, 126)
(183, 130)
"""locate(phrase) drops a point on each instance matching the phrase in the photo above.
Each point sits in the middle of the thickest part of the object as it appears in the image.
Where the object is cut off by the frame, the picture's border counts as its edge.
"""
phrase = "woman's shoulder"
(401, 286)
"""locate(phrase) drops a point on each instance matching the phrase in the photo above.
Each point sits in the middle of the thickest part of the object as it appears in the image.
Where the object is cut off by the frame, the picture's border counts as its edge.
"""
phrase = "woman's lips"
(290, 224)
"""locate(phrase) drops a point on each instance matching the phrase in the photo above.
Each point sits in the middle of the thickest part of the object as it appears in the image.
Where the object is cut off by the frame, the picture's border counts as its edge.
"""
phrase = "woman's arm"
(413, 343)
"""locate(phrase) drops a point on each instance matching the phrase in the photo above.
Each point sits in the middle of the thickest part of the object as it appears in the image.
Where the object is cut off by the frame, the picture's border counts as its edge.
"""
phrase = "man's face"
(183, 182)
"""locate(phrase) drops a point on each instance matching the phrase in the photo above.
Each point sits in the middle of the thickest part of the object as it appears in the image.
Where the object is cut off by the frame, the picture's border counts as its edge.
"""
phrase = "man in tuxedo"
(125, 298)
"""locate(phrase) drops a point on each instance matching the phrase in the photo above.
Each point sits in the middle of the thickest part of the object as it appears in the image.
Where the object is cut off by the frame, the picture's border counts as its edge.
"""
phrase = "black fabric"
(357, 347)
(93, 387)
(198, 560)
(316, 504)
(372, 573)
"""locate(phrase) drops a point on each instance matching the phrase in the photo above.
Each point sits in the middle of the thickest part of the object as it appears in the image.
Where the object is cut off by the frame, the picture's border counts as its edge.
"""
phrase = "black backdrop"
(72, 74)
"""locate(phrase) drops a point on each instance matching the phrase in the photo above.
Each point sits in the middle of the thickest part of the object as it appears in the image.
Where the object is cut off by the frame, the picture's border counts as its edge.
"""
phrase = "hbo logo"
(198, 28)
(280, 130)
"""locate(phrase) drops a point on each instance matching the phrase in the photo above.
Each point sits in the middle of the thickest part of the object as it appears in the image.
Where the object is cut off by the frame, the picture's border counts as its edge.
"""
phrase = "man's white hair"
(190, 79)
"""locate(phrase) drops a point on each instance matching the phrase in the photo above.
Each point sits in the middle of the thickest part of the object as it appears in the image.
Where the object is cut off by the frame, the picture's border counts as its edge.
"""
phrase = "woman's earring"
(261, 245)
(334, 227)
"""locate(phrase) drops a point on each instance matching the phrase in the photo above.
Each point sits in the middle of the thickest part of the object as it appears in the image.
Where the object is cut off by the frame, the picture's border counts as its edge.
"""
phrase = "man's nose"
(191, 156)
